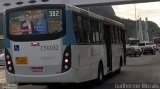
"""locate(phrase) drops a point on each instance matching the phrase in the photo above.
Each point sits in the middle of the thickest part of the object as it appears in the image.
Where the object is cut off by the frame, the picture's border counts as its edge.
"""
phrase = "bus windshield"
(35, 22)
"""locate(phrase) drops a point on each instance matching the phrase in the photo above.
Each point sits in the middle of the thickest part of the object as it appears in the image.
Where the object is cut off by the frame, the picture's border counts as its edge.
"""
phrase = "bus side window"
(101, 32)
(90, 35)
(112, 35)
(117, 32)
(115, 35)
(120, 35)
(98, 32)
(95, 30)
(92, 27)
(75, 27)
(78, 28)
(86, 31)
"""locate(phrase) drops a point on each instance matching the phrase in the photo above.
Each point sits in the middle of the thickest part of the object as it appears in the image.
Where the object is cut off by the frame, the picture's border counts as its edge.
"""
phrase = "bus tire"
(100, 74)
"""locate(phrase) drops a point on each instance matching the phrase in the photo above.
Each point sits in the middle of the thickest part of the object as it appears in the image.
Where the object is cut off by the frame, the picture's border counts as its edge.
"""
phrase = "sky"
(150, 10)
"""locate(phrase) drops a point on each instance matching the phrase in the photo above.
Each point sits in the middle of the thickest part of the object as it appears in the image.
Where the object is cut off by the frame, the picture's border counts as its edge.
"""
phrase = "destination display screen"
(35, 22)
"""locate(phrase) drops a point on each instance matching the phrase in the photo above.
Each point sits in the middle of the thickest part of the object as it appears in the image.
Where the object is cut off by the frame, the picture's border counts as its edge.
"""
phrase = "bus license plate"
(21, 60)
(37, 69)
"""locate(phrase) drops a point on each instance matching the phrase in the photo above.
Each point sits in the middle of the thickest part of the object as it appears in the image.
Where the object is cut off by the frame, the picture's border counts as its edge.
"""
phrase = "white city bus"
(59, 43)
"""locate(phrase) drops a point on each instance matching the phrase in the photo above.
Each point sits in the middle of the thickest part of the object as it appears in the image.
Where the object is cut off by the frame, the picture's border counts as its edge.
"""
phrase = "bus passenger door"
(107, 38)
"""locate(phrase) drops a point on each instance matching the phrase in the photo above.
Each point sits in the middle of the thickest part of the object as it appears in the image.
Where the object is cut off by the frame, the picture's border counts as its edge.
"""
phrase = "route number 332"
(54, 13)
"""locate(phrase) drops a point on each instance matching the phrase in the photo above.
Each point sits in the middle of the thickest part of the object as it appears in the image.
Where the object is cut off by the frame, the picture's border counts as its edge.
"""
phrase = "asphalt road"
(140, 73)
